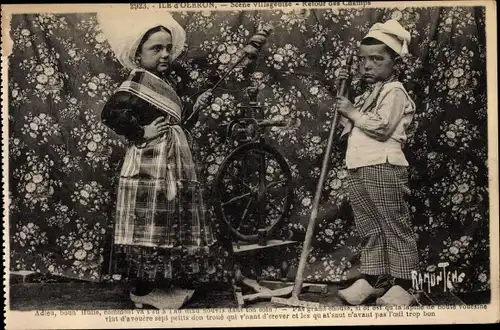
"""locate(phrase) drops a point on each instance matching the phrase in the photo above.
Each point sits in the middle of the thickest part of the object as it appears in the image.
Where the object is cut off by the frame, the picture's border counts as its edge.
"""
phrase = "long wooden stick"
(299, 278)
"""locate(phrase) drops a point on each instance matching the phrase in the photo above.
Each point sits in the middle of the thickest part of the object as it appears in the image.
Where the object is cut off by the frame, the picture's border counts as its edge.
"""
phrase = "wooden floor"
(53, 296)
(85, 295)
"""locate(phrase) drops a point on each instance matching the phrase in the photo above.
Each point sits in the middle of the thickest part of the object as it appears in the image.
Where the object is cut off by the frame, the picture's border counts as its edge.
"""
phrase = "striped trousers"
(382, 218)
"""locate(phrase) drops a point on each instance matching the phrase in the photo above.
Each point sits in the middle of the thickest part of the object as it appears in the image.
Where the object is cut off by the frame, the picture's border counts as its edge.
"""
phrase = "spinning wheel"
(252, 198)
(252, 192)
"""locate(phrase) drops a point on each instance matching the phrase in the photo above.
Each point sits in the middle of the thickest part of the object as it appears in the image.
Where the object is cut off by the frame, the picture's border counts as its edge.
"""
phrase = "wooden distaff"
(250, 51)
(299, 278)
(247, 54)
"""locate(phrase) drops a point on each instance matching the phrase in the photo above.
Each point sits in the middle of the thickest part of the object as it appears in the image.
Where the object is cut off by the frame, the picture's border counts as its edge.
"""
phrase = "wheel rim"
(242, 194)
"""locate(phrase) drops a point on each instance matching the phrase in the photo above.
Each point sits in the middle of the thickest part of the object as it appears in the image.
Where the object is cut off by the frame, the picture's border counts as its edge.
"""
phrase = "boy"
(377, 166)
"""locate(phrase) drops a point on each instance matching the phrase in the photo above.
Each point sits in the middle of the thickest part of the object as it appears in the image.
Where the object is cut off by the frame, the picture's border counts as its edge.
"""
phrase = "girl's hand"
(157, 128)
(203, 100)
(344, 106)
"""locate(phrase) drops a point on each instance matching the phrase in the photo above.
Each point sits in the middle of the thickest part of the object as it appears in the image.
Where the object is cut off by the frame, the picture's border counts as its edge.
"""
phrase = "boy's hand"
(343, 75)
(203, 100)
(345, 107)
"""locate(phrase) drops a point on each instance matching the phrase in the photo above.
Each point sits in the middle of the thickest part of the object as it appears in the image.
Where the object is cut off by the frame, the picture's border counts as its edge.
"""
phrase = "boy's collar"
(368, 99)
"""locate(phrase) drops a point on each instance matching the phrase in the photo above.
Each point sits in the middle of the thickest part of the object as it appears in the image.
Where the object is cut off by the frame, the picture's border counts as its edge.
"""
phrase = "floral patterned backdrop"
(64, 162)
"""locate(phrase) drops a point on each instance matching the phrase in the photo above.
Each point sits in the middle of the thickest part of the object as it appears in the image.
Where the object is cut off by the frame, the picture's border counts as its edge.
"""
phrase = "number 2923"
(136, 6)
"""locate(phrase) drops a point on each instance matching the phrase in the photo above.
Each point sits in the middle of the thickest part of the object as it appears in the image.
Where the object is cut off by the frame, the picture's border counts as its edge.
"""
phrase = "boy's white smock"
(377, 137)
(377, 133)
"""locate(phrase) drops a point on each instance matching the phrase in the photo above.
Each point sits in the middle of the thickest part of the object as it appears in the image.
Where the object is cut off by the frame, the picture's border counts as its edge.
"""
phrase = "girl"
(160, 225)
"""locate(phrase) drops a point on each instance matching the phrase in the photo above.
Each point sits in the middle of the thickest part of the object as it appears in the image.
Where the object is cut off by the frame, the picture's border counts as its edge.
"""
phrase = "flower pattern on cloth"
(63, 161)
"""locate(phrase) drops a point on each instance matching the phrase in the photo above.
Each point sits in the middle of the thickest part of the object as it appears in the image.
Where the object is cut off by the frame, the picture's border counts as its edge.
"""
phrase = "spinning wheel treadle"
(265, 289)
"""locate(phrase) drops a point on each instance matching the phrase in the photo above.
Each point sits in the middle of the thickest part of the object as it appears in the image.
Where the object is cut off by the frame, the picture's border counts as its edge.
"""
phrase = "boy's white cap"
(392, 34)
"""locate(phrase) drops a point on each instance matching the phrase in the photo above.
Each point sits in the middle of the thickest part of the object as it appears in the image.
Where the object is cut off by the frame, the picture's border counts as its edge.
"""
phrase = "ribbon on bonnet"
(125, 30)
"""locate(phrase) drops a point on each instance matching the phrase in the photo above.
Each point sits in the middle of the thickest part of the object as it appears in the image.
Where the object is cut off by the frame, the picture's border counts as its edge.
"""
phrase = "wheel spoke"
(240, 179)
(274, 184)
(255, 154)
(247, 169)
(245, 212)
(234, 199)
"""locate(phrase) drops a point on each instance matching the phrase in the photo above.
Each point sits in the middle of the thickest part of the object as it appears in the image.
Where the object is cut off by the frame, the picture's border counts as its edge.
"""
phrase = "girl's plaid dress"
(160, 222)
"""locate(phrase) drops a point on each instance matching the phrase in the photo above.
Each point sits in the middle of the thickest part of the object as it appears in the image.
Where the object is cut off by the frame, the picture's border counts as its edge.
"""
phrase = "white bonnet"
(125, 30)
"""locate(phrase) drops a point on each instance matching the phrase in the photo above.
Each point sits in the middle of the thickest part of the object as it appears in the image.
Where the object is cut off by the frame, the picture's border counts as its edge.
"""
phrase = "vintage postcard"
(183, 165)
